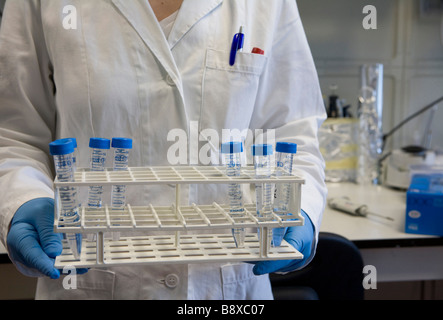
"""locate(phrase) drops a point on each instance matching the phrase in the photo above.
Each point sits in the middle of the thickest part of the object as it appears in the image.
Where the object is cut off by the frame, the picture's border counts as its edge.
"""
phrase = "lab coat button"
(171, 280)
(169, 80)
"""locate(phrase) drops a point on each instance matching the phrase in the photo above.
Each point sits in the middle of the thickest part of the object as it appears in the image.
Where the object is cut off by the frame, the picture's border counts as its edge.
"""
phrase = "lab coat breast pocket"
(229, 92)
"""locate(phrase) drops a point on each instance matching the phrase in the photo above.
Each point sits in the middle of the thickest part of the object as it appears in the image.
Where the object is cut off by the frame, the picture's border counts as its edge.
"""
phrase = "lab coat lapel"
(142, 18)
(190, 13)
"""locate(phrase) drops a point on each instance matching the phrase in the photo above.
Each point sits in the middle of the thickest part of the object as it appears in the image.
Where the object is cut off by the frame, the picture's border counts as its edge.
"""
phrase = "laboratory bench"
(396, 255)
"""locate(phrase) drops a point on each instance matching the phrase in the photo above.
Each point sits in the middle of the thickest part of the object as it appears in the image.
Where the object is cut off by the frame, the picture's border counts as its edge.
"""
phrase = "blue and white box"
(424, 205)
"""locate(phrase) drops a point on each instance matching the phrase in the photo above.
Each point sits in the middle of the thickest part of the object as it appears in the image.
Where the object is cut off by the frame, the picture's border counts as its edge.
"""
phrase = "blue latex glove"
(300, 238)
(31, 240)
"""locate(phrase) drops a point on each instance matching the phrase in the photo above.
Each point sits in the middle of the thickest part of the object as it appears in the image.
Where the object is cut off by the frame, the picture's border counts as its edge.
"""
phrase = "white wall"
(407, 42)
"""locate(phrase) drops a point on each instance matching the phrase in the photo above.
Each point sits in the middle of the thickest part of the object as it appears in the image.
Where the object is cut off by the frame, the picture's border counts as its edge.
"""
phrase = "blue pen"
(237, 44)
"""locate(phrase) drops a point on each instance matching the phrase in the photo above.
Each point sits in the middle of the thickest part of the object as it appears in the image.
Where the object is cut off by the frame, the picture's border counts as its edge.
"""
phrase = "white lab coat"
(116, 74)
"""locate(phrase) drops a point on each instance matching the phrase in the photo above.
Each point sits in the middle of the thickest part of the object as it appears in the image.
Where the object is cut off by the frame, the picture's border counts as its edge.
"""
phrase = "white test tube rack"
(170, 246)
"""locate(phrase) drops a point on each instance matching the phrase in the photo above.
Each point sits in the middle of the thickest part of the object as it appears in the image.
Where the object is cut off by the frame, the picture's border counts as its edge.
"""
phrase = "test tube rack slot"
(176, 233)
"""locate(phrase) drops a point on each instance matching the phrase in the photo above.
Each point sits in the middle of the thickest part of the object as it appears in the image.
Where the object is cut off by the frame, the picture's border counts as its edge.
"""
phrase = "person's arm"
(27, 118)
(290, 102)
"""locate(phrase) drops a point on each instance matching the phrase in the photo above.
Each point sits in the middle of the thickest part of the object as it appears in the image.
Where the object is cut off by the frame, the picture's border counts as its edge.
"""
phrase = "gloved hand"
(301, 238)
(31, 240)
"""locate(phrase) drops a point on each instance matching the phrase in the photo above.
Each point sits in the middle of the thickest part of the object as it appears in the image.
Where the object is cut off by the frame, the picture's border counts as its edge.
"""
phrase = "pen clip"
(237, 44)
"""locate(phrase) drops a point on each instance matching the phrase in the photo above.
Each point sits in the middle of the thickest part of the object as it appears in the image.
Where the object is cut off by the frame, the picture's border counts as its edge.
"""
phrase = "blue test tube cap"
(74, 141)
(99, 143)
(286, 147)
(61, 147)
(122, 143)
(232, 147)
(262, 150)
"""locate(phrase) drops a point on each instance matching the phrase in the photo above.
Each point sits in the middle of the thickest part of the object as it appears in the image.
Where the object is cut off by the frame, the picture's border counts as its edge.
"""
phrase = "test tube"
(121, 147)
(232, 155)
(263, 191)
(285, 152)
(99, 147)
(62, 151)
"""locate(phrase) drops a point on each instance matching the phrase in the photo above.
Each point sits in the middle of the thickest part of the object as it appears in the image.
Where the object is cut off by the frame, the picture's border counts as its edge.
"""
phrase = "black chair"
(335, 273)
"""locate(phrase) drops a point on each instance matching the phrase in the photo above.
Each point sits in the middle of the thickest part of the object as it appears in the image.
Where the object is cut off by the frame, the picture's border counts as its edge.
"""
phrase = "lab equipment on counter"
(369, 140)
(62, 152)
(333, 108)
(232, 154)
(345, 205)
(371, 77)
(399, 165)
(122, 147)
(285, 152)
(338, 145)
(424, 204)
(370, 112)
(99, 147)
(336, 107)
(397, 171)
(263, 191)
